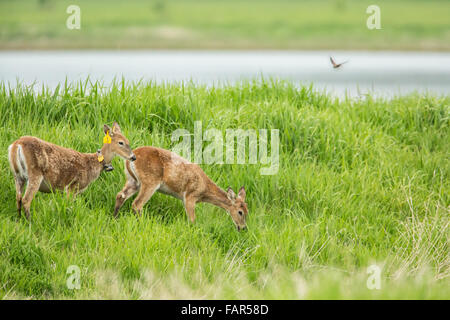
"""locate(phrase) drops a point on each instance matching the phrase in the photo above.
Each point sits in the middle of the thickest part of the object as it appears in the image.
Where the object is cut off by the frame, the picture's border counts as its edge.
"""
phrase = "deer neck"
(107, 153)
(93, 166)
(216, 196)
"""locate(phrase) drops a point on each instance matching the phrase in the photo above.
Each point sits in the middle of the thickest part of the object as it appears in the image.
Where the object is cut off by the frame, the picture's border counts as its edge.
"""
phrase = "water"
(380, 73)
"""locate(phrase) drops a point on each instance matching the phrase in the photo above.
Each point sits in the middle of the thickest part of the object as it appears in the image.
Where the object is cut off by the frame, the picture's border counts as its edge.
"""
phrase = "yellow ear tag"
(100, 158)
(107, 138)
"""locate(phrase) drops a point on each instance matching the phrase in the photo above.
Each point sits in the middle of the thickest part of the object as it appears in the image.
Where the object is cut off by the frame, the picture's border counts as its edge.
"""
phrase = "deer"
(45, 167)
(161, 170)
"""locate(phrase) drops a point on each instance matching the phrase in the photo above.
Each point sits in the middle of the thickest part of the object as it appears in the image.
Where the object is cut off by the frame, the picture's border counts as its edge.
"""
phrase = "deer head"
(238, 209)
(115, 143)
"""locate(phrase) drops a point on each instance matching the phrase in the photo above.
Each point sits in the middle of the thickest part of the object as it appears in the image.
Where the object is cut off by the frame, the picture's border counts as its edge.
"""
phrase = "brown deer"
(48, 167)
(161, 170)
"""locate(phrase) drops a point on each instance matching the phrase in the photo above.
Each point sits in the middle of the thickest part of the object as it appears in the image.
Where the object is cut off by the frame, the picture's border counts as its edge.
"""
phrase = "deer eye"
(121, 143)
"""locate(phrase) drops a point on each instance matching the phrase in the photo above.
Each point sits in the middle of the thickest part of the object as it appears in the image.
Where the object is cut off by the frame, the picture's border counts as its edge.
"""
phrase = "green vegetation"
(231, 24)
(361, 182)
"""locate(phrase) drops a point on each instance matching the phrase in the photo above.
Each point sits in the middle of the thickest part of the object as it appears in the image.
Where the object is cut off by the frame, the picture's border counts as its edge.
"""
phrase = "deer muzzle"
(108, 167)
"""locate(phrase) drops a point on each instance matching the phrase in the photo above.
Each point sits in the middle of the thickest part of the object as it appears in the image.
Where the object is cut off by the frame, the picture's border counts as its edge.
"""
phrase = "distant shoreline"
(7, 47)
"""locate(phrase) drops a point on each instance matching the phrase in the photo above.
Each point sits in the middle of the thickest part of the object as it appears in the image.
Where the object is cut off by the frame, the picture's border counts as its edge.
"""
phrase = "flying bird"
(336, 65)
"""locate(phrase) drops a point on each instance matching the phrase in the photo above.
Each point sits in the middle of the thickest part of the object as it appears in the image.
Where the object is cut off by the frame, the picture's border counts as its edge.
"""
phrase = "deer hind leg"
(130, 188)
(145, 193)
(18, 167)
(189, 206)
(20, 184)
(34, 183)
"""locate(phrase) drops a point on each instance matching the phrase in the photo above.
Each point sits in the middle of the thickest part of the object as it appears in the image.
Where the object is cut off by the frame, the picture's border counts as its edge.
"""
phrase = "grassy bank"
(248, 24)
(360, 182)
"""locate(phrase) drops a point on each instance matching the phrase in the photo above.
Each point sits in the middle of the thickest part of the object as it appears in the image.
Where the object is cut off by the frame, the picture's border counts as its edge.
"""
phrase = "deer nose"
(133, 158)
(108, 167)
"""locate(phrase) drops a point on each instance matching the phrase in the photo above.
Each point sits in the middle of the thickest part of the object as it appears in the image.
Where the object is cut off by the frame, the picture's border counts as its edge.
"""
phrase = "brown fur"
(161, 170)
(46, 166)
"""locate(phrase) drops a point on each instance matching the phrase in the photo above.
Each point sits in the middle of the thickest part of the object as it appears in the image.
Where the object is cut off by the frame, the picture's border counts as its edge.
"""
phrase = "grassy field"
(361, 182)
(231, 24)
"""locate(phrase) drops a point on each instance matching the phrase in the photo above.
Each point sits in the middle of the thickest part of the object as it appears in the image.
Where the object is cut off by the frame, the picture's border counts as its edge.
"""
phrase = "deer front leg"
(32, 187)
(128, 190)
(145, 193)
(189, 206)
(72, 191)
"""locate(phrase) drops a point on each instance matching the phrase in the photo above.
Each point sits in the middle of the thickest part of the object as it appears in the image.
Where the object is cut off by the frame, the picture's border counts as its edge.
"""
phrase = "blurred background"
(230, 24)
(246, 38)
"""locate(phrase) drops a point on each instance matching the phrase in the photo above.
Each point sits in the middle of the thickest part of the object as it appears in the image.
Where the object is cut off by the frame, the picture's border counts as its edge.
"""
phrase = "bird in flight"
(336, 65)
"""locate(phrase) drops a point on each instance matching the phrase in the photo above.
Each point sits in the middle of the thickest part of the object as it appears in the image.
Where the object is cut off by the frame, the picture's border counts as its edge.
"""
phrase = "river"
(379, 73)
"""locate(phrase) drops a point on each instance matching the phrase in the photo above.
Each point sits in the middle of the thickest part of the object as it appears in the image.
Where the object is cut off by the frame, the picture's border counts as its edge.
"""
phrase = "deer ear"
(116, 128)
(106, 128)
(230, 194)
(241, 193)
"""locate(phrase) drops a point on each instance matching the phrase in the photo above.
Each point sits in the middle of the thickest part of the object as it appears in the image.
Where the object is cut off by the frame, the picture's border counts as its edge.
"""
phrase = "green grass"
(362, 181)
(231, 24)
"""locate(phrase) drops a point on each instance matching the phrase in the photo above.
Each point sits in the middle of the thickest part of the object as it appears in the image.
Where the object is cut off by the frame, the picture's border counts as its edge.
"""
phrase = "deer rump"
(60, 167)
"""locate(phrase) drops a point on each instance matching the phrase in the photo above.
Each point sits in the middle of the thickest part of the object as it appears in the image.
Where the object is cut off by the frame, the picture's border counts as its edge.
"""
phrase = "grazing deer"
(161, 170)
(48, 167)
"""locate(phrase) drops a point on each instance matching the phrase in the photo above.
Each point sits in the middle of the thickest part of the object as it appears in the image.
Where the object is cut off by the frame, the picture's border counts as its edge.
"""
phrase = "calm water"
(381, 73)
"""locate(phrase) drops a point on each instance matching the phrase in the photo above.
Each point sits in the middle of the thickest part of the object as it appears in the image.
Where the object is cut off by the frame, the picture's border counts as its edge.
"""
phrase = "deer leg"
(145, 193)
(189, 206)
(72, 191)
(128, 190)
(32, 187)
(20, 183)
